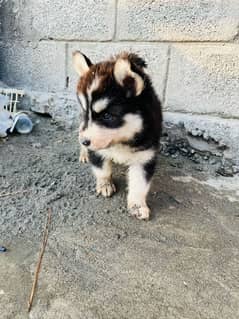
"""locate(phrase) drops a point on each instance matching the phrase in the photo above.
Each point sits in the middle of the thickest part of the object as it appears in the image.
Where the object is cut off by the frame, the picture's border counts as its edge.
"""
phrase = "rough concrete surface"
(177, 20)
(203, 79)
(36, 65)
(58, 19)
(100, 262)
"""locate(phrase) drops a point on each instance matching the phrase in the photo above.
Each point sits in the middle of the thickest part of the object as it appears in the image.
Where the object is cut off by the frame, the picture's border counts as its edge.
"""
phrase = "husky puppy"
(121, 122)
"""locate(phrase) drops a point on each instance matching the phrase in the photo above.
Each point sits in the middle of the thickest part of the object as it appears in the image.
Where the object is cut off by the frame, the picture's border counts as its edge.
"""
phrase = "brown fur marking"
(104, 71)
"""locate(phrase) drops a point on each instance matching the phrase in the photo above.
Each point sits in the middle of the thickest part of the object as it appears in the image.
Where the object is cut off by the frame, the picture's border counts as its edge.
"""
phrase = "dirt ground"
(99, 261)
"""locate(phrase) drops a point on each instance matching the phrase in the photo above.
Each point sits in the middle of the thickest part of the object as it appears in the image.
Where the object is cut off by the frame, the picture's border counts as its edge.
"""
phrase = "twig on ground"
(38, 267)
(13, 193)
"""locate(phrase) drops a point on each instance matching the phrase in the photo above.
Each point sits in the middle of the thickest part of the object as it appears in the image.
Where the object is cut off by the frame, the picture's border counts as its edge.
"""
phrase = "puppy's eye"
(107, 116)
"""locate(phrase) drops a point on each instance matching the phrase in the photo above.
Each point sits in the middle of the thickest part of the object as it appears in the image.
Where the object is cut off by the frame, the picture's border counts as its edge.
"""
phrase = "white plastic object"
(6, 122)
(4, 100)
(22, 123)
(13, 96)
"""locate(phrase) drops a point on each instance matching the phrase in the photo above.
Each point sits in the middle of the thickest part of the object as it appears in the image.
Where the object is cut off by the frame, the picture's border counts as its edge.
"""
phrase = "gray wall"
(191, 46)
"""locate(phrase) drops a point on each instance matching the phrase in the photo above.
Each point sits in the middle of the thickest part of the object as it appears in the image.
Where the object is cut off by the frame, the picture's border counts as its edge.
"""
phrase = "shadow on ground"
(100, 262)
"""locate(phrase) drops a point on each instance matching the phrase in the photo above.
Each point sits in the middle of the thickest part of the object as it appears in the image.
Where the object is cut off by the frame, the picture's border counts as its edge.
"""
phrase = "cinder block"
(154, 54)
(204, 79)
(177, 20)
(36, 66)
(61, 19)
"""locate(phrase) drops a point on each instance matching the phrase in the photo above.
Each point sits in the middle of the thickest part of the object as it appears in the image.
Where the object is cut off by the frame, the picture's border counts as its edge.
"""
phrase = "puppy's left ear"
(80, 62)
(131, 81)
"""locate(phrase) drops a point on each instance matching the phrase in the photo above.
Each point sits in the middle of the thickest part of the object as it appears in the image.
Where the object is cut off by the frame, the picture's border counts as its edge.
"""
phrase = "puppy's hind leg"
(102, 169)
(84, 156)
(139, 184)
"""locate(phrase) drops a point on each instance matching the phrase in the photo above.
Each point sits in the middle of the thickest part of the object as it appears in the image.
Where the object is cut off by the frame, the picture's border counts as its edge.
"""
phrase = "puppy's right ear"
(80, 62)
(131, 81)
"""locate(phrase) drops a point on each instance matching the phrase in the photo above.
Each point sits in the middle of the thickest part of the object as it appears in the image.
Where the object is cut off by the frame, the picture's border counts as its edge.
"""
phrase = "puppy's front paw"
(84, 156)
(106, 189)
(140, 212)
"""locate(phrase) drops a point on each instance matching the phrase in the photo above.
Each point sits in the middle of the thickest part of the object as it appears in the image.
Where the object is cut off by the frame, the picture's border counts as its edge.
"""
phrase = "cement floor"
(99, 261)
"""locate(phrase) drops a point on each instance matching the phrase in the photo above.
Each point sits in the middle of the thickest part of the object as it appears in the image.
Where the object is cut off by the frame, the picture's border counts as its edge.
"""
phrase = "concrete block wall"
(191, 47)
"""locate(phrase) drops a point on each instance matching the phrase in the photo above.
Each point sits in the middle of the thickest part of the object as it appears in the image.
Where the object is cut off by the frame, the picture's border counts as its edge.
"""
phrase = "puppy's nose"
(85, 142)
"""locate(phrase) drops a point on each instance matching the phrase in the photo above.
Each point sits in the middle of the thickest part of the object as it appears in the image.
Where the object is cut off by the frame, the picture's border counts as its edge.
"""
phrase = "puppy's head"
(108, 93)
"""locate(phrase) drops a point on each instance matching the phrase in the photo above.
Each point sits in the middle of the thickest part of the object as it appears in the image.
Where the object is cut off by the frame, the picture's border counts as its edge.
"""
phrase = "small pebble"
(36, 145)
(225, 171)
(199, 168)
(184, 150)
(235, 169)
(3, 249)
(213, 161)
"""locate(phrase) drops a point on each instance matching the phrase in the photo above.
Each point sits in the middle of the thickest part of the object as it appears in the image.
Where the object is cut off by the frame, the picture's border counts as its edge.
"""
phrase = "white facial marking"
(94, 86)
(133, 124)
(100, 105)
(103, 137)
(82, 101)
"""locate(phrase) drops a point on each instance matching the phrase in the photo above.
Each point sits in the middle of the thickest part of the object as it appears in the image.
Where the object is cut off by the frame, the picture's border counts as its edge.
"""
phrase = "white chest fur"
(123, 154)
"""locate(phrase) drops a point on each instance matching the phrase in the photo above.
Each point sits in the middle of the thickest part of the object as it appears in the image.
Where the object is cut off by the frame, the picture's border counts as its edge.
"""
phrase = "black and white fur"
(121, 122)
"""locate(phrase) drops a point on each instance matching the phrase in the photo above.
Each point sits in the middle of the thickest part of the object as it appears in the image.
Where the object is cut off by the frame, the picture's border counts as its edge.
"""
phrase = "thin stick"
(13, 193)
(38, 267)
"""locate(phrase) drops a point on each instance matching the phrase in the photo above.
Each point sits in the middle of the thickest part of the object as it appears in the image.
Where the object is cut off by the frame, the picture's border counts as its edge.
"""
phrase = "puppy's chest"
(123, 154)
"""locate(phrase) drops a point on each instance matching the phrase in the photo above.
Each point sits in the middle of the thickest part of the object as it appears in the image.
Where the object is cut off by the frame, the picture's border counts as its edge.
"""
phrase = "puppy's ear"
(80, 62)
(131, 81)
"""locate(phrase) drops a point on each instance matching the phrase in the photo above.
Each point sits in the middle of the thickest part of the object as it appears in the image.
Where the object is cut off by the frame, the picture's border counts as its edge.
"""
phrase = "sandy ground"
(99, 261)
